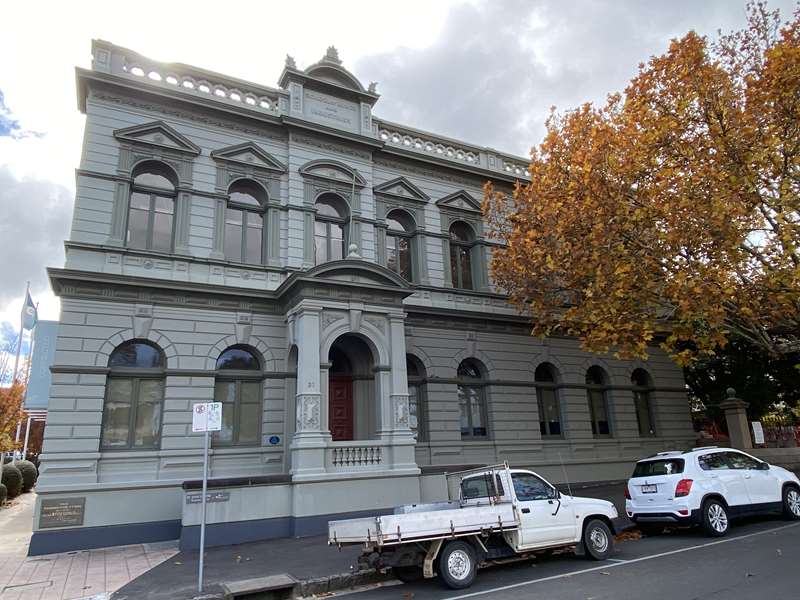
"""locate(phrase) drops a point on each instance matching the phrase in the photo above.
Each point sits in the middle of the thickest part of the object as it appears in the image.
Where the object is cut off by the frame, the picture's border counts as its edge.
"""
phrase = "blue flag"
(29, 313)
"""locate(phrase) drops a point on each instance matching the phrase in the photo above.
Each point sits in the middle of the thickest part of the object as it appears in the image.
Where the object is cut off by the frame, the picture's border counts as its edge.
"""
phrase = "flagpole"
(30, 360)
(21, 332)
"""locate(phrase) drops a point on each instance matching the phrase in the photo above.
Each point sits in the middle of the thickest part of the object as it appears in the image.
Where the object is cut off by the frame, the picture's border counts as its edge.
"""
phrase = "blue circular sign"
(274, 440)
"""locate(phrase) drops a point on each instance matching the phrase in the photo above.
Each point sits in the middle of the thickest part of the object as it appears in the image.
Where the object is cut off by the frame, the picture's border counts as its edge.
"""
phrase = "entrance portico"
(351, 407)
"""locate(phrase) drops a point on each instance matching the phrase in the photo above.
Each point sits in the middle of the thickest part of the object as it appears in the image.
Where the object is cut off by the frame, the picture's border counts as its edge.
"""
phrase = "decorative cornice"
(157, 134)
(249, 155)
(402, 189)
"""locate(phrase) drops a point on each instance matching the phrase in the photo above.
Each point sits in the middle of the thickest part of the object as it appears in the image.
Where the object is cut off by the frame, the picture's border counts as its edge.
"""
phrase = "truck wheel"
(597, 540)
(408, 574)
(458, 565)
(791, 503)
(715, 518)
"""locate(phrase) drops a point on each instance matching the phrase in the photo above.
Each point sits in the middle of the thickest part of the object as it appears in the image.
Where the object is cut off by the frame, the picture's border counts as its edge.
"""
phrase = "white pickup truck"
(494, 514)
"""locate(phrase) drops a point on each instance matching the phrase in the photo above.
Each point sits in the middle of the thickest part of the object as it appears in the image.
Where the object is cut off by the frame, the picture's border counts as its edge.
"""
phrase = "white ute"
(494, 513)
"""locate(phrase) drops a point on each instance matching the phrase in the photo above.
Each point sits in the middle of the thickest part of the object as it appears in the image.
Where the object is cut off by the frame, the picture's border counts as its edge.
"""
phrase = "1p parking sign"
(207, 416)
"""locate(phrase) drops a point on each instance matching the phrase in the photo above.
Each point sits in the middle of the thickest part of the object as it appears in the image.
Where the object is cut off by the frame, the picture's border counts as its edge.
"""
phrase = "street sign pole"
(203, 510)
(206, 417)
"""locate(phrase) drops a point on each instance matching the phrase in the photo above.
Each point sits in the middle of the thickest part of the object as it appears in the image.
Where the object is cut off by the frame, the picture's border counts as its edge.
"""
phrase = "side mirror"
(764, 466)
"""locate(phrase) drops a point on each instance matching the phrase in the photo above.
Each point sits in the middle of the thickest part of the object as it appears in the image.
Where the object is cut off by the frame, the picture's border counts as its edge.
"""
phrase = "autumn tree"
(12, 398)
(673, 209)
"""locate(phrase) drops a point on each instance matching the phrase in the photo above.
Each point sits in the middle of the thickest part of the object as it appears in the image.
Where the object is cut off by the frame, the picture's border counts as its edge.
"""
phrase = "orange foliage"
(11, 413)
(674, 208)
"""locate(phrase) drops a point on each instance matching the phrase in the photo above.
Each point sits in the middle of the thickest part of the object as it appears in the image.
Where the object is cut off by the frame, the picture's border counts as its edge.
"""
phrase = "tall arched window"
(151, 211)
(244, 222)
(238, 386)
(462, 239)
(400, 229)
(134, 395)
(597, 395)
(642, 391)
(417, 413)
(547, 398)
(329, 223)
(472, 400)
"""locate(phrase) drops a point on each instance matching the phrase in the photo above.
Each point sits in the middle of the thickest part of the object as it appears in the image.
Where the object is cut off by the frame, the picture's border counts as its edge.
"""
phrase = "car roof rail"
(669, 453)
(703, 448)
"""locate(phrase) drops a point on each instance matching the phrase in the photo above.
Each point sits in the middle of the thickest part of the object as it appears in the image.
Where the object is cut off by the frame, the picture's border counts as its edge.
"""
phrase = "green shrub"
(12, 479)
(29, 474)
(3, 493)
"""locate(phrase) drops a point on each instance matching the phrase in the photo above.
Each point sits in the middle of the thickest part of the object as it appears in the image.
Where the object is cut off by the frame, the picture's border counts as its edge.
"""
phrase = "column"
(394, 408)
(309, 442)
(736, 418)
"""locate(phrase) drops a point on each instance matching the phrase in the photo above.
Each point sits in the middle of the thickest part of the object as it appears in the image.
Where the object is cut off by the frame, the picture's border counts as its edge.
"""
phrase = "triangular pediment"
(460, 200)
(157, 134)
(250, 155)
(401, 188)
(332, 170)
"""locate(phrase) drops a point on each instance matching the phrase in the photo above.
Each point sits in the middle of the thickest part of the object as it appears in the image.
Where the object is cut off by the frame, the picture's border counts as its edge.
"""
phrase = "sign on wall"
(758, 432)
(62, 512)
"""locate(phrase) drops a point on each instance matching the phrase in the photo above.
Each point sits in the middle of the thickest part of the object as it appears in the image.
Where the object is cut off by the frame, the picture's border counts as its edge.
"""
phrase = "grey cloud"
(498, 66)
(34, 221)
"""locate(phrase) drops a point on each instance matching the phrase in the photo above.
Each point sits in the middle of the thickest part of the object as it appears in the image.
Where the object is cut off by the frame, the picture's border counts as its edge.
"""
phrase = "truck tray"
(400, 528)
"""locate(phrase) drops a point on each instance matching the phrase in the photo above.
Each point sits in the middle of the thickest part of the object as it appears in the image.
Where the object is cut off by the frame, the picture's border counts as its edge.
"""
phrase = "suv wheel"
(597, 540)
(458, 565)
(715, 518)
(791, 502)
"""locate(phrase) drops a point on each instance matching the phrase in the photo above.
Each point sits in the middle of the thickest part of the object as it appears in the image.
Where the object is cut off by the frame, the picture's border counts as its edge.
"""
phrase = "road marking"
(617, 560)
(620, 564)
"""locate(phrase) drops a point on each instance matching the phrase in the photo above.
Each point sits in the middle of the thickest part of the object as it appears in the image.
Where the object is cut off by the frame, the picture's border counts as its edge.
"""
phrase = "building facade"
(324, 274)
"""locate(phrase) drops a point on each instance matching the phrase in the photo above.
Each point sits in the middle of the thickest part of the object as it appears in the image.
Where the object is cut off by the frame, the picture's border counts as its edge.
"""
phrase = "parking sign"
(207, 416)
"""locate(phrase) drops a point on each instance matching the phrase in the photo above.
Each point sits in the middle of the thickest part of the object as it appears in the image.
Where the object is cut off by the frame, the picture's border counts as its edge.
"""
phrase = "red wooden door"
(340, 408)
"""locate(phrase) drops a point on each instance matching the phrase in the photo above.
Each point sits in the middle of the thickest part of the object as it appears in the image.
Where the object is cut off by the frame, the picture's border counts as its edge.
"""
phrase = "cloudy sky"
(485, 71)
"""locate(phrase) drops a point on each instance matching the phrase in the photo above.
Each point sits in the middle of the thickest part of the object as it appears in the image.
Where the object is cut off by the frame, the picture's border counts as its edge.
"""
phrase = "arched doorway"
(351, 390)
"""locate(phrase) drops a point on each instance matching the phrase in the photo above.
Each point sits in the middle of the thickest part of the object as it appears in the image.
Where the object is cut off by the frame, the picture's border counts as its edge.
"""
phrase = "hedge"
(29, 474)
(12, 479)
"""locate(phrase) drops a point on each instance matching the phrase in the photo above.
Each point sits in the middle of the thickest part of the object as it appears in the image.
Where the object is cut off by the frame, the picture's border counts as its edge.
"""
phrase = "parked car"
(494, 513)
(708, 487)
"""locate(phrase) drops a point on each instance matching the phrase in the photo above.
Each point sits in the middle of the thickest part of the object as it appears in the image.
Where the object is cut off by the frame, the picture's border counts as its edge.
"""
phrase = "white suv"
(707, 487)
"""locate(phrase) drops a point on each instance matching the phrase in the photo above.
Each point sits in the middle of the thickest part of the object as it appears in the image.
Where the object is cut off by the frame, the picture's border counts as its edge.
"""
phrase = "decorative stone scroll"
(308, 412)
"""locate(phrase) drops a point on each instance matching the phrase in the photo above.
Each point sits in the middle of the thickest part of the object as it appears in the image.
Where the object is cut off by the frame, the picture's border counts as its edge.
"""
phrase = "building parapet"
(194, 82)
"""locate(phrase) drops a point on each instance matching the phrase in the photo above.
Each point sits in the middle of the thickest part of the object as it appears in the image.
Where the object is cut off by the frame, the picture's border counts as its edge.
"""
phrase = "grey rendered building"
(324, 274)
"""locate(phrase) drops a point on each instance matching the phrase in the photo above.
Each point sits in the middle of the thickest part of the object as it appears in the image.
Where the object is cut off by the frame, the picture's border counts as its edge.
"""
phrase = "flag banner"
(29, 313)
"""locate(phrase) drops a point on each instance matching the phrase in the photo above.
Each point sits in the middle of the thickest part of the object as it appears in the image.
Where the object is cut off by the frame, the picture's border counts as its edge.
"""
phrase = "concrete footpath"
(69, 575)
(315, 567)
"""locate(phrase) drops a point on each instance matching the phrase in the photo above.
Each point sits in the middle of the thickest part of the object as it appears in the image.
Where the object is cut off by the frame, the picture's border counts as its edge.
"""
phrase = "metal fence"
(780, 432)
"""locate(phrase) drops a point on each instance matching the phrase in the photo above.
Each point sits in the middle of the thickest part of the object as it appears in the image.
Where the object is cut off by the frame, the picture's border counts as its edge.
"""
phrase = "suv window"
(741, 461)
(530, 487)
(666, 466)
(481, 487)
(713, 462)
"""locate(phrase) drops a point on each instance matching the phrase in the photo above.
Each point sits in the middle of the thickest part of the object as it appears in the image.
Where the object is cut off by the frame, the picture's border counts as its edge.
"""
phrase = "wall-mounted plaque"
(62, 512)
(210, 497)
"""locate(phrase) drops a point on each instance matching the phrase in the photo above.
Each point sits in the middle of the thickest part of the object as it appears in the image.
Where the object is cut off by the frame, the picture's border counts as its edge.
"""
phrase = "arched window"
(238, 385)
(244, 222)
(597, 395)
(642, 391)
(417, 421)
(134, 395)
(472, 400)
(547, 398)
(462, 239)
(329, 222)
(151, 212)
(400, 229)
